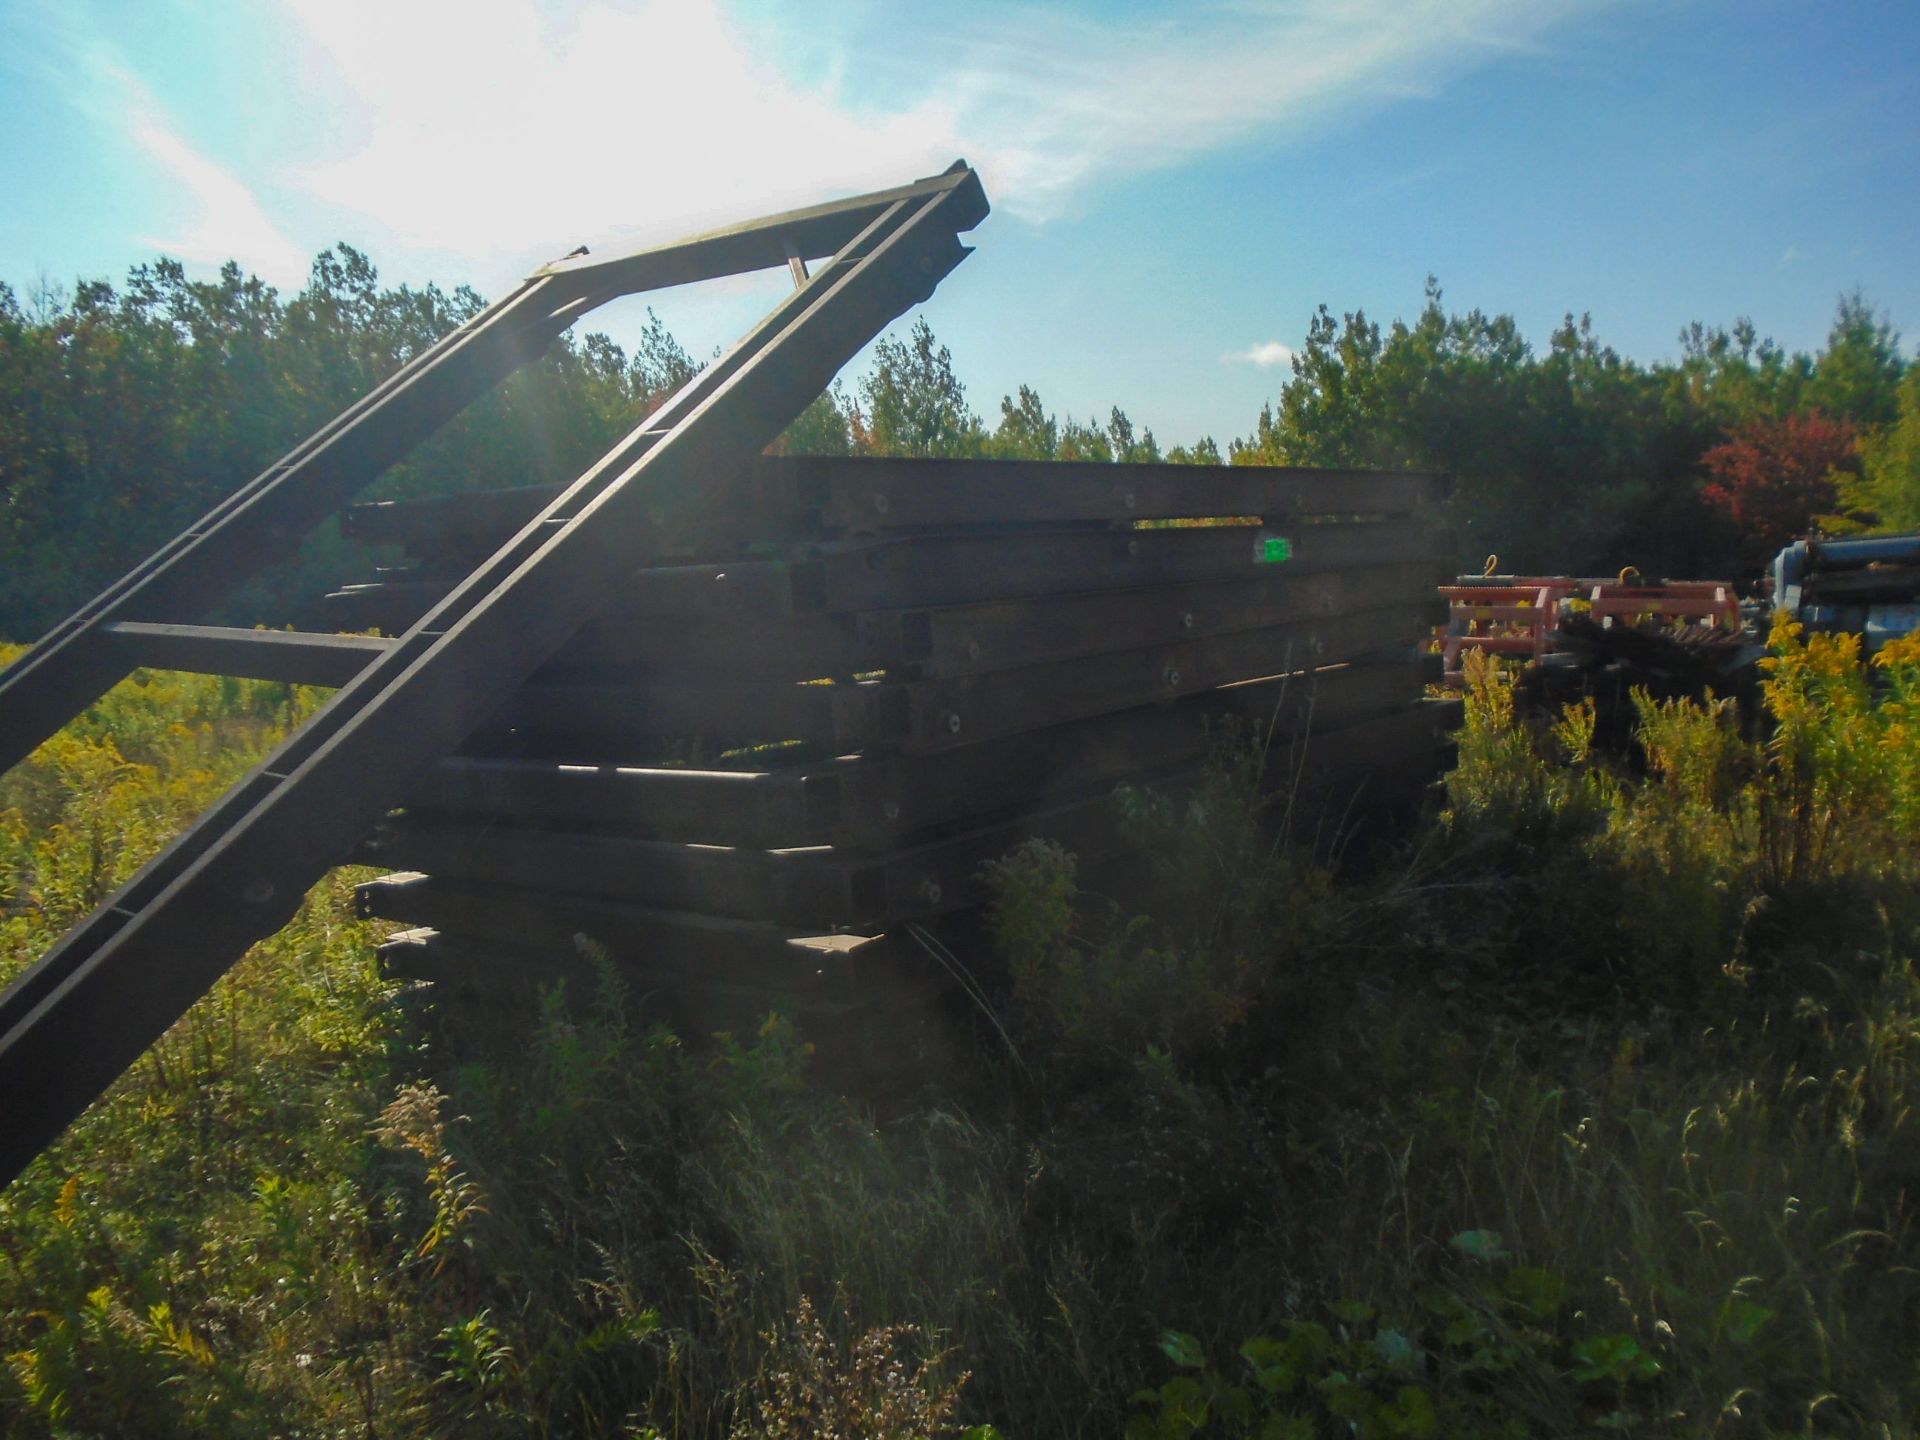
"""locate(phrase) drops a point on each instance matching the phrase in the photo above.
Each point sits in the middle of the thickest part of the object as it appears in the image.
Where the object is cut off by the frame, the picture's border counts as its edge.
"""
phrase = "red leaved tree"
(1774, 476)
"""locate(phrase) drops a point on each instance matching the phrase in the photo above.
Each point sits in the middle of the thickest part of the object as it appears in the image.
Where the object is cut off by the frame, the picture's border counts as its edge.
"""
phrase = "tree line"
(127, 412)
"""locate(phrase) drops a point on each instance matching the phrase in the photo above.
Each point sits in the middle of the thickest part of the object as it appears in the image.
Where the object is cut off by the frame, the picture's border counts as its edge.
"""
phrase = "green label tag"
(1273, 549)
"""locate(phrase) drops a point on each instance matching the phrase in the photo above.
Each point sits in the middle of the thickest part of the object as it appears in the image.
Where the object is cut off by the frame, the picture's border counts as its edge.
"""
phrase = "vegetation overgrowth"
(1588, 1108)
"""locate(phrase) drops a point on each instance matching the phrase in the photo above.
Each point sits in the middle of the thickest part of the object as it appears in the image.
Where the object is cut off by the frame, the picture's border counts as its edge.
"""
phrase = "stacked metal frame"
(825, 716)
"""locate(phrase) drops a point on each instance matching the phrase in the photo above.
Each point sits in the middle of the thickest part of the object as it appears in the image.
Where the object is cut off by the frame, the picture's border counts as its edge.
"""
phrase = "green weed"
(1592, 1116)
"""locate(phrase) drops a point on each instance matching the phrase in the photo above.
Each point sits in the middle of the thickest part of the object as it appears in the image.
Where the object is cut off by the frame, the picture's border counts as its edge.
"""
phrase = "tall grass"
(1592, 1115)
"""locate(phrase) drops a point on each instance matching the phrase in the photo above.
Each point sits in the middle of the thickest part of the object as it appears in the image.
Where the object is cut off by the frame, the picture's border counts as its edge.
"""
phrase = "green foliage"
(1857, 377)
(185, 1169)
(1889, 489)
(1355, 1375)
(1026, 431)
(1572, 459)
(1677, 1137)
(1567, 460)
(1386, 1127)
(1681, 1245)
(1206, 452)
(126, 414)
(913, 404)
(660, 364)
(1735, 375)
(825, 427)
(1666, 884)
(104, 795)
(1127, 446)
(1589, 1111)
(412, 1121)
(1232, 909)
(1509, 788)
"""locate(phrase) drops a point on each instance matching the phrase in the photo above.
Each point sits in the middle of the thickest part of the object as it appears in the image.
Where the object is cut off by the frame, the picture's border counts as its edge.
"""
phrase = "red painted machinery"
(1526, 615)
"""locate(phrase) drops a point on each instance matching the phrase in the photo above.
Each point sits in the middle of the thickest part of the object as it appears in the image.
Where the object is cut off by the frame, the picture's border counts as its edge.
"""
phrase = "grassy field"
(1587, 1108)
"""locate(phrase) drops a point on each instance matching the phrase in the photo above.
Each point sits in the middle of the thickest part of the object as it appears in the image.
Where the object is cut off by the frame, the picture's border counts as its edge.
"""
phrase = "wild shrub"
(210, 1209)
(1226, 905)
(1383, 1129)
(1845, 760)
(1669, 1229)
(819, 1388)
(1674, 856)
(104, 795)
(413, 1121)
(1511, 859)
(1508, 789)
(629, 1216)
(1728, 853)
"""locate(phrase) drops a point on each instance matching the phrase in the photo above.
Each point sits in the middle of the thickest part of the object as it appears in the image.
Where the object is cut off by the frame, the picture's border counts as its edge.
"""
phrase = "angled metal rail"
(75, 1020)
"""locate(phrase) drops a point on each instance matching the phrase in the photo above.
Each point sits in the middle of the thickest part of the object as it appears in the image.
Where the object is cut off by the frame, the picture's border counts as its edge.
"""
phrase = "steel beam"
(821, 497)
(868, 803)
(290, 656)
(819, 886)
(977, 568)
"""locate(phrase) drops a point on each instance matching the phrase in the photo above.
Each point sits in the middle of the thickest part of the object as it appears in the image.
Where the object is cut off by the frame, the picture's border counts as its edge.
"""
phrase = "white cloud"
(215, 216)
(481, 137)
(536, 134)
(1791, 254)
(1074, 102)
(1266, 355)
(506, 127)
(228, 223)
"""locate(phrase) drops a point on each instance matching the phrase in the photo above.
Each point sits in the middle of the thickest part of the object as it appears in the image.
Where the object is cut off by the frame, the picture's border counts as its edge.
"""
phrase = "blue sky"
(1176, 187)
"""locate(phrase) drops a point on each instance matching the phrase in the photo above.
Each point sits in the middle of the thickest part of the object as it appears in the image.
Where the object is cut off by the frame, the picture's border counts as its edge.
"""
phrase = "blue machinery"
(1871, 585)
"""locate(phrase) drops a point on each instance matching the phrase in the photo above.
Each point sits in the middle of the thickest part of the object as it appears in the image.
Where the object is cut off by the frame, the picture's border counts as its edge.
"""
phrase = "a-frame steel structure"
(79, 1017)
